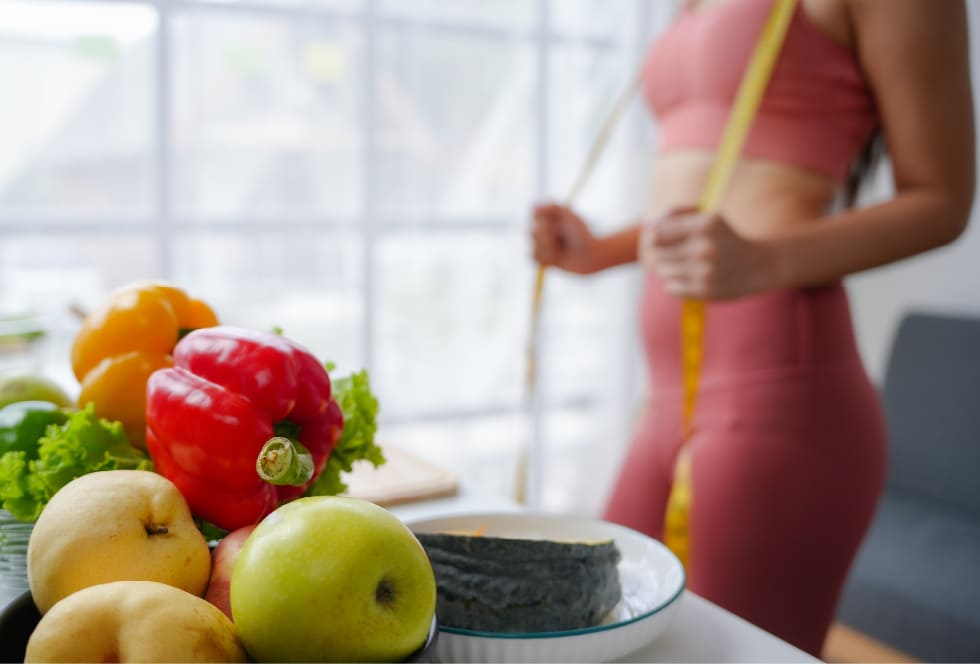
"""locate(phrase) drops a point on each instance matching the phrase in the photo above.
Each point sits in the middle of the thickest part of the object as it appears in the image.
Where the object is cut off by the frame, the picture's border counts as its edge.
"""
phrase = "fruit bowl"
(652, 579)
(19, 617)
(17, 621)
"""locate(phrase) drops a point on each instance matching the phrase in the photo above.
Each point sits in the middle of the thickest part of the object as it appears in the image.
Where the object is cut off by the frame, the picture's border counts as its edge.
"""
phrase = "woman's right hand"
(562, 239)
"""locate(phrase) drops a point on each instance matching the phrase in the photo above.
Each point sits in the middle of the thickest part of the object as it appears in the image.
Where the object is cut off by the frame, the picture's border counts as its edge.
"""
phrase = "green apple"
(16, 387)
(332, 579)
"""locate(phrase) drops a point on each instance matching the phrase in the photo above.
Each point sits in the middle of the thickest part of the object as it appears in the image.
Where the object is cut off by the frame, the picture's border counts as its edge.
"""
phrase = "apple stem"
(284, 461)
(156, 529)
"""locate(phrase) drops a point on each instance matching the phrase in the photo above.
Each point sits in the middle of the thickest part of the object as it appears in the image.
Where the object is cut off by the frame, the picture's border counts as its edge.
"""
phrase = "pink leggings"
(788, 454)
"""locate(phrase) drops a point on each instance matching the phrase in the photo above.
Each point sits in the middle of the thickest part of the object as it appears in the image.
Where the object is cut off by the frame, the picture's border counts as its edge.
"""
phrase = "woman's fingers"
(545, 237)
(684, 289)
(669, 233)
(547, 234)
(676, 229)
(561, 238)
(668, 238)
(681, 254)
(676, 253)
(687, 280)
(546, 252)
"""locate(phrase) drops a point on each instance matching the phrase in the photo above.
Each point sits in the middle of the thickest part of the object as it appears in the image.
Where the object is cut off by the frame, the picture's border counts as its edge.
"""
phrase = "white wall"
(944, 280)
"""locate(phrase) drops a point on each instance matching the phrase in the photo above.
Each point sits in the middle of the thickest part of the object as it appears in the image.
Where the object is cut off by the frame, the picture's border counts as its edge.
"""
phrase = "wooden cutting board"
(404, 478)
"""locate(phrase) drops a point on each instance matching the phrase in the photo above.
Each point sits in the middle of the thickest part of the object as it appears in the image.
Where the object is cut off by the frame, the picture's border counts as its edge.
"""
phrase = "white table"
(700, 631)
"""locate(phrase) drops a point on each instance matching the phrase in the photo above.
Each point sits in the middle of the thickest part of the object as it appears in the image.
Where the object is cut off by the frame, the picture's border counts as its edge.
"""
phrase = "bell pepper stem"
(284, 461)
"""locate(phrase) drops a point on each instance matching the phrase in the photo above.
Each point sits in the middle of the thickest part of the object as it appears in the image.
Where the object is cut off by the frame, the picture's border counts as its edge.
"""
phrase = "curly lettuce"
(360, 408)
(85, 443)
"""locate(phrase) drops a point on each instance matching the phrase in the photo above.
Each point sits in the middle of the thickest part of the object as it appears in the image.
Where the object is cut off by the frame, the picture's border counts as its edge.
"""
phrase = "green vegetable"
(23, 423)
(360, 408)
(84, 443)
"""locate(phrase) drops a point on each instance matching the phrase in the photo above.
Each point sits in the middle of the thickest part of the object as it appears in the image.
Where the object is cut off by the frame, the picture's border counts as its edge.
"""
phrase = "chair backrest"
(932, 404)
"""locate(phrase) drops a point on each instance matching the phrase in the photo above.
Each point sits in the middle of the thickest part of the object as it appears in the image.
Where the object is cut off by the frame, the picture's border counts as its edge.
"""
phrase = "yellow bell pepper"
(120, 344)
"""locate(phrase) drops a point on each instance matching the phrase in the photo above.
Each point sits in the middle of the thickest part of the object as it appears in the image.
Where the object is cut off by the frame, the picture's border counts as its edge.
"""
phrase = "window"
(356, 172)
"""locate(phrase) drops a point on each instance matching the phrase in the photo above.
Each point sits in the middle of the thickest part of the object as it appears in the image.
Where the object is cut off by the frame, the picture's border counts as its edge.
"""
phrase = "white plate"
(651, 576)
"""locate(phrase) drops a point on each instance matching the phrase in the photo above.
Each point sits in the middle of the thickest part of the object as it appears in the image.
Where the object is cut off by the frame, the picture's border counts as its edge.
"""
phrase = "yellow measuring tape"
(591, 159)
(677, 532)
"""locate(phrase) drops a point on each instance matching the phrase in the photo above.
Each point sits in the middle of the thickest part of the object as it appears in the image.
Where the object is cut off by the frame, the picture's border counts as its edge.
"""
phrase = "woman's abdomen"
(752, 338)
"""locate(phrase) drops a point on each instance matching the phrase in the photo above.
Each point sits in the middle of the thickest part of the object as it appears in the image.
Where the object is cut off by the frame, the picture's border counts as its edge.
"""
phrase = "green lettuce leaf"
(360, 408)
(84, 444)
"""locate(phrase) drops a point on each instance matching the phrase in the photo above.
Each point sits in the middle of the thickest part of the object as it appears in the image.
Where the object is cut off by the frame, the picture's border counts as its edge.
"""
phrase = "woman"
(788, 446)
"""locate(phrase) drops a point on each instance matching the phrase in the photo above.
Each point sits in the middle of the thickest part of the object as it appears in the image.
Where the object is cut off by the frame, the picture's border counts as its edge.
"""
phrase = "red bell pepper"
(242, 422)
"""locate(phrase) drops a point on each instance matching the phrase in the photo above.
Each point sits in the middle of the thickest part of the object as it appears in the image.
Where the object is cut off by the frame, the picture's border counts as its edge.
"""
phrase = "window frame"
(163, 225)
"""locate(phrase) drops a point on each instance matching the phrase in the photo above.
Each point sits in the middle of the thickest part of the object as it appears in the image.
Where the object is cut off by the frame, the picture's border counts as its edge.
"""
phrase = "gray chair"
(916, 582)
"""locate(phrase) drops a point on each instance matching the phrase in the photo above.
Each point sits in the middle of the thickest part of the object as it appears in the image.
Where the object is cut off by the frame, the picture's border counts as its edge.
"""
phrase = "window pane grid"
(370, 187)
(170, 230)
(163, 141)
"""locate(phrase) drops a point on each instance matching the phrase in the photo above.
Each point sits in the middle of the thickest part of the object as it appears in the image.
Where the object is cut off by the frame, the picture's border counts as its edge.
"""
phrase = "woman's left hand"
(700, 256)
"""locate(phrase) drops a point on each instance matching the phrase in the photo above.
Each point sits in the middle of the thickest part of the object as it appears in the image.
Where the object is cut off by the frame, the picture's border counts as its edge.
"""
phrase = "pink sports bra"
(817, 112)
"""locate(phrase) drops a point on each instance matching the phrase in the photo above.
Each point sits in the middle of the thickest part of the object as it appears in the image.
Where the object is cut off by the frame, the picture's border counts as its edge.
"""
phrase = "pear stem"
(284, 461)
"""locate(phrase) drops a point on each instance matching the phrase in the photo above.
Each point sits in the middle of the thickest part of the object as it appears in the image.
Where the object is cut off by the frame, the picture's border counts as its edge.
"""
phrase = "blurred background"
(360, 174)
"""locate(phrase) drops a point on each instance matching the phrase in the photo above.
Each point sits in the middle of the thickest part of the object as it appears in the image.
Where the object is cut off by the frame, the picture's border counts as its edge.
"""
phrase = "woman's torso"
(764, 196)
(778, 334)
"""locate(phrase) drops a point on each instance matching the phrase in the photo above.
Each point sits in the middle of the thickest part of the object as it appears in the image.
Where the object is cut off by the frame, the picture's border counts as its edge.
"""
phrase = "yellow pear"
(115, 525)
(134, 621)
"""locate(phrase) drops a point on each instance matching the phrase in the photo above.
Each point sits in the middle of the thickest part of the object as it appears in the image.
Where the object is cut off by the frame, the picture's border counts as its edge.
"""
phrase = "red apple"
(222, 563)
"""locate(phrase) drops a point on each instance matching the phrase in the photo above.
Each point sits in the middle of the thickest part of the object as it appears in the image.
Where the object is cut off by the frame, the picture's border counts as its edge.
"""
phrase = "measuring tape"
(592, 157)
(530, 377)
(677, 531)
